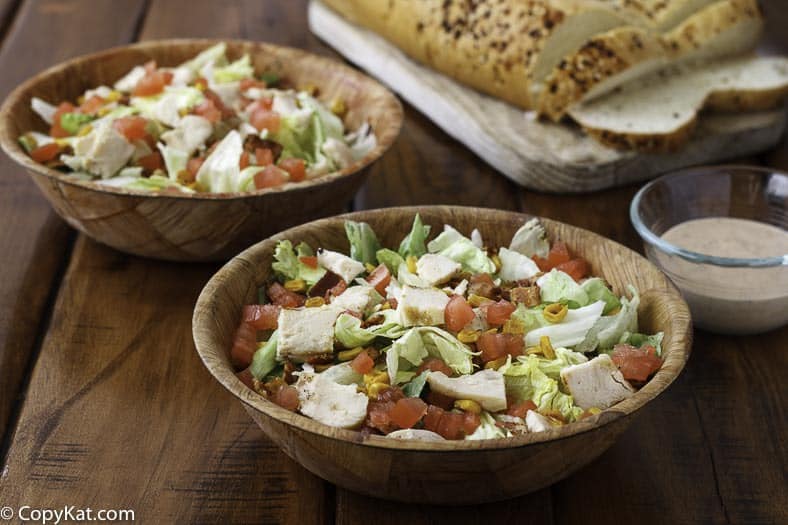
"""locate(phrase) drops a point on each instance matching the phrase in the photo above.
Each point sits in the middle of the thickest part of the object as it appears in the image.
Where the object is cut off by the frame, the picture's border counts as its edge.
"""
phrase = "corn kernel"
(594, 410)
(84, 130)
(62, 142)
(369, 267)
(495, 364)
(376, 388)
(376, 377)
(103, 111)
(477, 300)
(531, 350)
(468, 405)
(295, 285)
(314, 302)
(555, 313)
(385, 306)
(614, 311)
(411, 262)
(114, 96)
(338, 107)
(81, 100)
(497, 262)
(513, 326)
(347, 355)
(468, 336)
(547, 347)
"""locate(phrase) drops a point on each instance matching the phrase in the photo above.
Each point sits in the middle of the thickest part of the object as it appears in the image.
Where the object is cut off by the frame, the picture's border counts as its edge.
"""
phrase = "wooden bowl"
(459, 472)
(201, 226)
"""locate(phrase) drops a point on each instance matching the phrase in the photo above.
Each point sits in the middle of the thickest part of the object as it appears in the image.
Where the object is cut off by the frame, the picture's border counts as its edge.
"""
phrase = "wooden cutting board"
(538, 155)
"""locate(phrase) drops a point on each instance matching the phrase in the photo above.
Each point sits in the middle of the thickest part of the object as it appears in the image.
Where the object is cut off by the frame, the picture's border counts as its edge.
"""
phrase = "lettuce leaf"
(73, 122)
(414, 242)
(557, 286)
(416, 344)
(563, 357)
(390, 258)
(516, 266)
(640, 340)
(221, 171)
(457, 247)
(343, 374)
(364, 244)
(264, 359)
(175, 160)
(287, 263)
(238, 70)
(488, 429)
(572, 330)
(416, 385)
(214, 54)
(348, 330)
(597, 290)
(526, 380)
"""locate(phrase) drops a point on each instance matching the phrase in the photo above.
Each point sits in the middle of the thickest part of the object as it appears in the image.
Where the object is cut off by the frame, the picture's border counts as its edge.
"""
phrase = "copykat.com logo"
(65, 514)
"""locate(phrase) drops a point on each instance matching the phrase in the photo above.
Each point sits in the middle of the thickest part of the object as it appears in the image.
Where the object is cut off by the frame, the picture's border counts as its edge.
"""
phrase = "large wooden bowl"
(459, 472)
(202, 226)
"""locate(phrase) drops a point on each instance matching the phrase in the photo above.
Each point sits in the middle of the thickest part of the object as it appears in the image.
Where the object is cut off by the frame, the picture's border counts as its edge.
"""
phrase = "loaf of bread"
(502, 48)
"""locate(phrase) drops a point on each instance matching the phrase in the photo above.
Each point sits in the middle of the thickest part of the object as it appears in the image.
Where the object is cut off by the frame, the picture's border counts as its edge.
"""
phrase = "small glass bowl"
(726, 295)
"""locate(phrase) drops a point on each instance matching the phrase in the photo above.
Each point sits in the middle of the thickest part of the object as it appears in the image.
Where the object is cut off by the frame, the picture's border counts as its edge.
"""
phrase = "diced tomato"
(281, 296)
(151, 162)
(448, 424)
(245, 376)
(380, 278)
(248, 83)
(559, 253)
(440, 400)
(295, 167)
(495, 346)
(45, 153)
(576, 268)
(261, 316)
(264, 156)
(262, 103)
(407, 412)
(92, 105)
(498, 313)
(636, 364)
(243, 162)
(432, 417)
(244, 346)
(270, 177)
(152, 83)
(482, 285)
(309, 260)
(133, 128)
(56, 130)
(265, 119)
(192, 167)
(286, 397)
(458, 313)
(362, 363)
(378, 415)
(208, 110)
(217, 102)
(521, 408)
(470, 422)
(435, 364)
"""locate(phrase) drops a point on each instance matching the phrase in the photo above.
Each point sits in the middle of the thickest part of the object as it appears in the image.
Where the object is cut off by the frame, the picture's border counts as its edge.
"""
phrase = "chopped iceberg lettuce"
(416, 344)
(452, 244)
(526, 380)
(174, 160)
(563, 357)
(557, 286)
(264, 359)
(348, 330)
(415, 386)
(488, 429)
(43, 109)
(415, 242)
(571, 330)
(390, 258)
(238, 70)
(287, 263)
(597, 290)
(214, 54)
(221, 171)
(364, 243)
(73, 122)
(516, 266)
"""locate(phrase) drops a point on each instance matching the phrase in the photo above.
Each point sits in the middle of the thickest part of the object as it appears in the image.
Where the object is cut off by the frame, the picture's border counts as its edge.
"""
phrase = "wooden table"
(104, 403)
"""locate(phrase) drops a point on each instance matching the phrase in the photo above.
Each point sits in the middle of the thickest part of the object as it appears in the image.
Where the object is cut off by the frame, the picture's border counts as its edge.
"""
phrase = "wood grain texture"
(536, 155)
(125, 416)
(199, 226)
(33, 241)
(436, 472)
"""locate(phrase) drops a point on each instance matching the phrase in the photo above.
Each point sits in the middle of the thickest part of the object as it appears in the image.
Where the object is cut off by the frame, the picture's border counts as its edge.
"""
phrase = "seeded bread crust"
(602, 58)
(492, 46)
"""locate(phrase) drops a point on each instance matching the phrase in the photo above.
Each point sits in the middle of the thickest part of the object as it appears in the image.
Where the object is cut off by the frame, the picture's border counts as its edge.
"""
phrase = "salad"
(207, 125)
(446, 339)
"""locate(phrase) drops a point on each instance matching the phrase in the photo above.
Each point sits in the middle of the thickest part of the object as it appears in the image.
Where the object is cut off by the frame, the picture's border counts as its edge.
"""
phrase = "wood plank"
(124, 415)
(34, 241)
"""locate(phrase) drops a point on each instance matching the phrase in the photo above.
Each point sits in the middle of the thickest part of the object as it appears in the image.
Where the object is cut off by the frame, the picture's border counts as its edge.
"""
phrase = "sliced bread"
(658, 113)
(664, 15)
(724, 28)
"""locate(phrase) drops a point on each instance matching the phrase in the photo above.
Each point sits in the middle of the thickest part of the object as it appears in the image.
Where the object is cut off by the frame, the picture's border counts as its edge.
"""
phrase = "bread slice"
(501, 48)
(604, 62)
(658, 113)
(724, 28)
(664, 15)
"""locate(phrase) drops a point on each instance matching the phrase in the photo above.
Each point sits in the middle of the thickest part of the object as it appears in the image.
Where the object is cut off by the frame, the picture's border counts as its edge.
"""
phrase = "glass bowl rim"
(671, 249)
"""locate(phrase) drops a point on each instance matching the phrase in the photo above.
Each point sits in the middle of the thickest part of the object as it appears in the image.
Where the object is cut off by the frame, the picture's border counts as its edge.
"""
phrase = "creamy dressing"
(730, 300)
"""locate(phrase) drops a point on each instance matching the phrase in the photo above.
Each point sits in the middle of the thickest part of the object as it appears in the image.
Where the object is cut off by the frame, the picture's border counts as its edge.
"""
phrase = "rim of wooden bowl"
(18, 100)
(216, 359)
